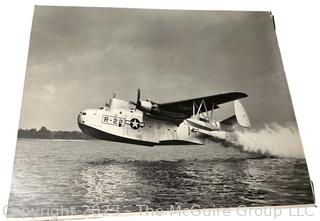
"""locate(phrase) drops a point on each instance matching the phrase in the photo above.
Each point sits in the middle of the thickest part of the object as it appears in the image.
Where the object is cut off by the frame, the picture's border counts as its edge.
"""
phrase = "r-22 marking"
(113, 120)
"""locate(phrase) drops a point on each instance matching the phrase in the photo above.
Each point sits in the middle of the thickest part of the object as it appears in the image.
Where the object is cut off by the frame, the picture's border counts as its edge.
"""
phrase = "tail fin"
(241, 114)
(240, 117)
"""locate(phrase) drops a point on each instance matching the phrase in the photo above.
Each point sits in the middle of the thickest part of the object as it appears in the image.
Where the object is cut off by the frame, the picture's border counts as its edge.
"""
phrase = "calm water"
(51, 174)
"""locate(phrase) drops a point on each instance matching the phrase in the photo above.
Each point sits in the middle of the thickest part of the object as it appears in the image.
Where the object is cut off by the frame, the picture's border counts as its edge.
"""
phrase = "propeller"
(138, 103)
(138, 95)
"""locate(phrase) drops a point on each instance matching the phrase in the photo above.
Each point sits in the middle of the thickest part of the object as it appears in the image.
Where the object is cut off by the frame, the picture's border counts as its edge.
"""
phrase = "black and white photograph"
(134, 110)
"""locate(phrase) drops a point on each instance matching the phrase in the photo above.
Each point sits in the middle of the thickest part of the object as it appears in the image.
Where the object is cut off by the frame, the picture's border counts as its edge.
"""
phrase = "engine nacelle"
(148, 105)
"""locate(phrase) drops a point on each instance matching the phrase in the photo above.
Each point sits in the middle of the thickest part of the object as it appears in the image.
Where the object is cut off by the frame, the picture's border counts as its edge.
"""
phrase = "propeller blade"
(138, 95)
(138, 103)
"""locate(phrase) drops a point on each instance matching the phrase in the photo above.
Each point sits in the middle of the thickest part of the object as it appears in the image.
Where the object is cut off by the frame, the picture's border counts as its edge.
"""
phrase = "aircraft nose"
(81, 117)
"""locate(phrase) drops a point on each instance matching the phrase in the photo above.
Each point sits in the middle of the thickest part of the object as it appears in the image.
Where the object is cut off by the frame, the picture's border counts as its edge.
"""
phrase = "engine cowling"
(148, 105)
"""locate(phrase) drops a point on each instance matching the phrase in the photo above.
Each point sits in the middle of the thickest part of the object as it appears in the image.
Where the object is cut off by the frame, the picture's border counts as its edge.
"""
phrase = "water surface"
(101, 176)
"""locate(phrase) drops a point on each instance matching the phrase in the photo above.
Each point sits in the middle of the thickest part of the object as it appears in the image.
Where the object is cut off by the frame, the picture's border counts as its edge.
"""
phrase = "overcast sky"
(79, 56)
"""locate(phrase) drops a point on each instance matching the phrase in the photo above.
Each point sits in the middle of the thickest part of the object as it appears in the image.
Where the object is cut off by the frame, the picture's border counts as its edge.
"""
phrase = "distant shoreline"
(21, 138)
(44, 133)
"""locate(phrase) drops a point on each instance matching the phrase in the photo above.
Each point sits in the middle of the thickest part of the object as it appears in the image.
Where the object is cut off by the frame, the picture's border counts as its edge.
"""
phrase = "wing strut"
(196, 115)
(211, 116)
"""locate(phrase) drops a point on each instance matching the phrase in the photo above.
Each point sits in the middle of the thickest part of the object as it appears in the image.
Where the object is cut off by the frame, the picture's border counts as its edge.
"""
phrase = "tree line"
(44, 133)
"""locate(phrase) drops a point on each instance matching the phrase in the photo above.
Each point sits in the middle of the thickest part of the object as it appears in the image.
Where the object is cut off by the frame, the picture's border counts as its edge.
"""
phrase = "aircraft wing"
(186, 106)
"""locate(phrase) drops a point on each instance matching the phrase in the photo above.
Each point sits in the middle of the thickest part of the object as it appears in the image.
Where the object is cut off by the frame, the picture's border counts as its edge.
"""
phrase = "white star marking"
(135, 123)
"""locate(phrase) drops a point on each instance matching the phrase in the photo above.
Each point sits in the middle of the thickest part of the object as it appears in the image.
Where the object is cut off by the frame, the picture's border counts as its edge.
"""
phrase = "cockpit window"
(107, 106)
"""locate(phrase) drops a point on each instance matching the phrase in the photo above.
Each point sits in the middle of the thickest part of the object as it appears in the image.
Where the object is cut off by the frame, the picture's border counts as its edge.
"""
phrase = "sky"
(79, 56)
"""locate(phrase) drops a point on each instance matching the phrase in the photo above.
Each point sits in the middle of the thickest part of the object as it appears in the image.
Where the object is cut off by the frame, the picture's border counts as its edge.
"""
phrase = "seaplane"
(148, 123)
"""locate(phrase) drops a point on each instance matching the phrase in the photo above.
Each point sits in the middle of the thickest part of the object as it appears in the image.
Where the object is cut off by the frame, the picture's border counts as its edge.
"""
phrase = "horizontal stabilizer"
(230, 120)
